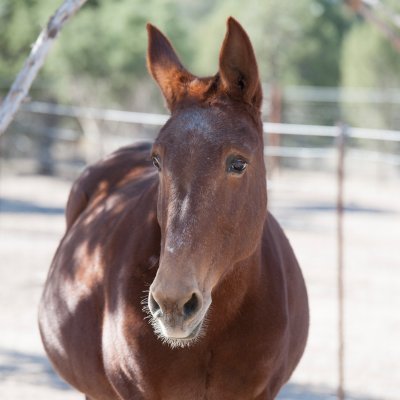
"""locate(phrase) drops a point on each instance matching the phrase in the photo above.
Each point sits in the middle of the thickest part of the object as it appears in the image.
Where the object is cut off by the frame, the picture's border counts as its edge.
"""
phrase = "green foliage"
(16, 33)
(273, 25)
(102, 51)
(100, 54)
(317, 60)
(369, 60)
(99, 58)
(20, 24)
(296, 42)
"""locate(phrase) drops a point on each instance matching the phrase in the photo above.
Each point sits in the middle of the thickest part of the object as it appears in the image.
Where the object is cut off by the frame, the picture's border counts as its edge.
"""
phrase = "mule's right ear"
(165, 67)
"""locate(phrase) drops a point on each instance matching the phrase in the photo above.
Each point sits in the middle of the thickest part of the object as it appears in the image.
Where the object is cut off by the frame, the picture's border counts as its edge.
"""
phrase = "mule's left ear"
(238, 66)
(165, 67)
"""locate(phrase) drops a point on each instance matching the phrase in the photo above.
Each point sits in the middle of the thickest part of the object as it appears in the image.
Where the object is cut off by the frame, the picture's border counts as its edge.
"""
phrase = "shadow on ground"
(8, 205)
(304, 216)
(303, 392)
(33, 369)
(331, 207)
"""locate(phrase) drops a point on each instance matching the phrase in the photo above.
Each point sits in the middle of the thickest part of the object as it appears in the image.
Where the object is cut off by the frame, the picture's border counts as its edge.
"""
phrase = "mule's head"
(212, 193)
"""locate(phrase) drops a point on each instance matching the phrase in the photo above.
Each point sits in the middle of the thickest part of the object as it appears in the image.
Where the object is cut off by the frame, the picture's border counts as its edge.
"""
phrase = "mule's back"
(101, 179)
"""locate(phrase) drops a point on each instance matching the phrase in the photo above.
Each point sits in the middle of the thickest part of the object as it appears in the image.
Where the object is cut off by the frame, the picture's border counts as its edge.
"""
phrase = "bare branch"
(34, 62)
(387, 30)
(368, 10)
(386, 10)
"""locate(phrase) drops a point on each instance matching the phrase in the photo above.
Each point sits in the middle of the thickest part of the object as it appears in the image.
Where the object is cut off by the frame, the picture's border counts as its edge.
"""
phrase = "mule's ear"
(165, 67)
(238, 66)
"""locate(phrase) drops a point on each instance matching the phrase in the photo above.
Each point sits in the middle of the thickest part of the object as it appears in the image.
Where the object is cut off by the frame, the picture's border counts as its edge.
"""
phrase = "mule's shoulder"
(105, 176)
(276, 243)
(290, 286)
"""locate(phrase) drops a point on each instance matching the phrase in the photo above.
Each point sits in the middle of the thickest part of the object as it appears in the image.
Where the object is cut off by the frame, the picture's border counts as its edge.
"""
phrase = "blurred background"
(330, 70)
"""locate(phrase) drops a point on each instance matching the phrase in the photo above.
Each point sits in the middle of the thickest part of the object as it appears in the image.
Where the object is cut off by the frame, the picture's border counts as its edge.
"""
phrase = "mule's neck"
(237, 287)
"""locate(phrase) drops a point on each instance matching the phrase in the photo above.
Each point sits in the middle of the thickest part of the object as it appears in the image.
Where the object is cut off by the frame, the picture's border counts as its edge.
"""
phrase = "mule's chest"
(218, 377)
(223, 372)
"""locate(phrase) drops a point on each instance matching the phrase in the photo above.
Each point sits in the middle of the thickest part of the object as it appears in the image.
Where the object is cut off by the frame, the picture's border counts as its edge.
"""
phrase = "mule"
(172, 281)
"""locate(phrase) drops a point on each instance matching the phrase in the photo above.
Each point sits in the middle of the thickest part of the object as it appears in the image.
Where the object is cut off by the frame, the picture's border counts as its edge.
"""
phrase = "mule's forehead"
(196, 120)
(209, 126)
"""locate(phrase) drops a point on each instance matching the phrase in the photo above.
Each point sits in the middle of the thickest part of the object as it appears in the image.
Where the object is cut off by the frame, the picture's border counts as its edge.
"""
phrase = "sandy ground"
(32, 222)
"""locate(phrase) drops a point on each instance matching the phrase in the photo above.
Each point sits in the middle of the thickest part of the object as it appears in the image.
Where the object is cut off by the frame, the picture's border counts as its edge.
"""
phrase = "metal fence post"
(341, 150)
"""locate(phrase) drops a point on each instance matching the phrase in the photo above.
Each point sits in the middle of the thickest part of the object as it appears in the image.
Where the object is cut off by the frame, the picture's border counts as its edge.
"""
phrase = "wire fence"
(332, 132)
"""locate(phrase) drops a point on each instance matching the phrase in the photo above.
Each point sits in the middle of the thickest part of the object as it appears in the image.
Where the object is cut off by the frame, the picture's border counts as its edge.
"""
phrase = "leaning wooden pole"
(34, 62)
(365, 9)
(341, 150)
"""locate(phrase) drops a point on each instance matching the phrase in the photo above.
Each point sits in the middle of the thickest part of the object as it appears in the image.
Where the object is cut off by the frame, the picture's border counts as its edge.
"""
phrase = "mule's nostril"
(191, 306)
(154, 307)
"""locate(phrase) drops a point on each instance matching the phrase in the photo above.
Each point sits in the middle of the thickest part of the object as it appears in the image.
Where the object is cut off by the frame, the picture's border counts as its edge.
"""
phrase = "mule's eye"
(156, 162)
(237, 166)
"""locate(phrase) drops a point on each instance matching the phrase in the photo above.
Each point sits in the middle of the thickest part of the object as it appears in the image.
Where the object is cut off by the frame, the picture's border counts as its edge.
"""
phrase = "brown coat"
(191, 242)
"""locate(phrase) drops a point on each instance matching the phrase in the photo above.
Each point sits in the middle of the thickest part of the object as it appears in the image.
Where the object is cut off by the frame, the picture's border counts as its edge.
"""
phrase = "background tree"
(370, 61)
(101, 55)
(100, 59)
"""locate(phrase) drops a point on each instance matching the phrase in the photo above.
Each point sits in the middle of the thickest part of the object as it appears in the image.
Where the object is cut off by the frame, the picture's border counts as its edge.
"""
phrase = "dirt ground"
(32, 222)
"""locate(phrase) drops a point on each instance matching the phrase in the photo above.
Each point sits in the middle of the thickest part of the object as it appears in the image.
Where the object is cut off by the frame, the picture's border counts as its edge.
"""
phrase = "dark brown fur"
(194, 230)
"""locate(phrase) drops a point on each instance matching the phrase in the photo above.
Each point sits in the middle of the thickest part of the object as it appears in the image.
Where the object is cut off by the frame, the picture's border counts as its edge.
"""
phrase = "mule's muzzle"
(179, 316)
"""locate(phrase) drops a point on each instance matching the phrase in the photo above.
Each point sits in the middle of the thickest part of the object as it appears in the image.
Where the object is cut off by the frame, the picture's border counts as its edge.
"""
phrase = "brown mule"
(190, 238)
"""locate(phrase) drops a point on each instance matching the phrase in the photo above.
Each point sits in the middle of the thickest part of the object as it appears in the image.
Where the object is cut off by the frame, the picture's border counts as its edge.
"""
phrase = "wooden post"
(35, 60)
(92, 139)
(341, 150)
